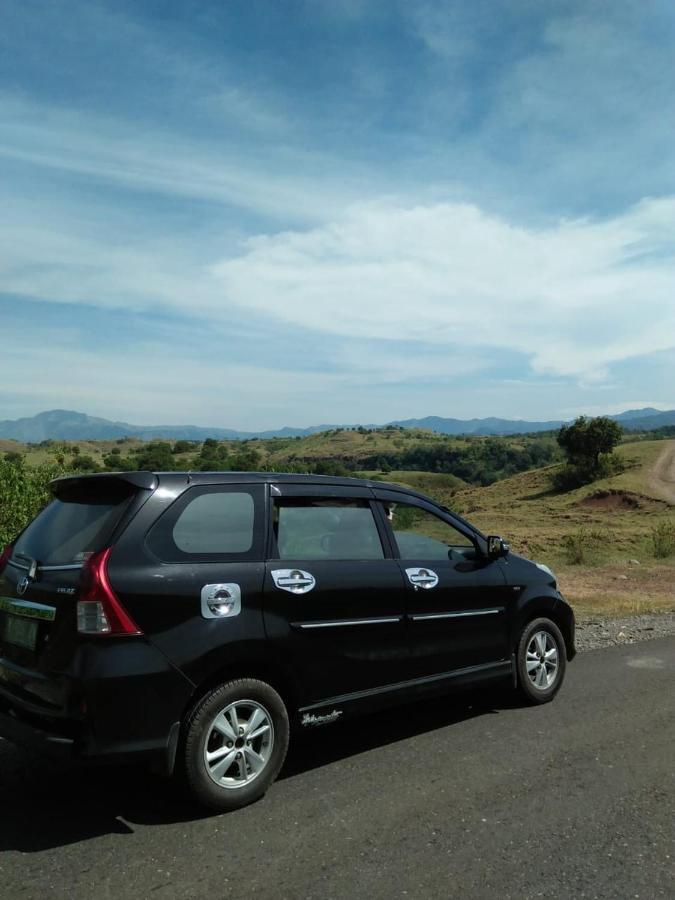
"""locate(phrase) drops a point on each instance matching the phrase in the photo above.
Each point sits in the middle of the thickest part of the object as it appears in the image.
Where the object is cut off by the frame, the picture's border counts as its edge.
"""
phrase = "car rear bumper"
(128, 709)
(30, 735)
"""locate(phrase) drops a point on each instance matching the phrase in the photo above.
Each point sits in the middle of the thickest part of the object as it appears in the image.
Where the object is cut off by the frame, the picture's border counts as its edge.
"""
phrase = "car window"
(68, 531)
(207, 523)
(326, 529)
(420, 534)
(216, 523)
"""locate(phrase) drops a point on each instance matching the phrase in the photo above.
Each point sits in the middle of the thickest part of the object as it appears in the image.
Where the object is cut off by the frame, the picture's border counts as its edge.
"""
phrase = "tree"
(588, 445)
(585, 439)
(157, 457)
(84, 464)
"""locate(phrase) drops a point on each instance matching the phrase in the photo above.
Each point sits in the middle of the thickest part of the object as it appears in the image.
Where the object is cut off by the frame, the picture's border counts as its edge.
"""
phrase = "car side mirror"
(496, 547)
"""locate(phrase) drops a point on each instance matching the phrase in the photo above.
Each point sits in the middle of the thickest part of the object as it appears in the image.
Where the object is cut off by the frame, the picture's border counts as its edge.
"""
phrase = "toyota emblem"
(22, 585)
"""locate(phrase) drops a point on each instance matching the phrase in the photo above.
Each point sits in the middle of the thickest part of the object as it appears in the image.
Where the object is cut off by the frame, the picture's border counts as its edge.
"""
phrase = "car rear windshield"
(75, 525)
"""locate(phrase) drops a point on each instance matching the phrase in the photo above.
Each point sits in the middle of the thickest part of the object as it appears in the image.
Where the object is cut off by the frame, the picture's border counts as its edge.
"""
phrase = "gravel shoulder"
(594, 633)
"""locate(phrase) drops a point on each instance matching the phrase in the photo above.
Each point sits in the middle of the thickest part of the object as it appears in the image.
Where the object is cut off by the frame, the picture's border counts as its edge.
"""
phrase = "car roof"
(150, 480)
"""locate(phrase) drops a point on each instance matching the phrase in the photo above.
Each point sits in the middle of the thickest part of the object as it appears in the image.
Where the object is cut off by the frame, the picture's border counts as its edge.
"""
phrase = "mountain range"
(62, 424)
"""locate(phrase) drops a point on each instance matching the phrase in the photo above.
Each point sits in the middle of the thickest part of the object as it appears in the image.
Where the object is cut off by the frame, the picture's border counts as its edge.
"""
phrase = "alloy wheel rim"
(541, 660)
(239, 744)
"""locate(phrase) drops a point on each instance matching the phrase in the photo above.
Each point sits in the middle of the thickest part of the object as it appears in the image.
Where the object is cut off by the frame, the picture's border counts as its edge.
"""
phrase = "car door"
(333, 595)
(457, 598)
(194, 585)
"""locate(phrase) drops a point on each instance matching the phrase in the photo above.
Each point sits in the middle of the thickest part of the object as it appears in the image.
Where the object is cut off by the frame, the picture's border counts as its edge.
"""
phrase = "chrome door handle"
(422, 578)
(295, 581)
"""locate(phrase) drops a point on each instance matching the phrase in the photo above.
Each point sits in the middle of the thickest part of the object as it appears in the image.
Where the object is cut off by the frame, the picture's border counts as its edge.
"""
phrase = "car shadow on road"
(46, 805)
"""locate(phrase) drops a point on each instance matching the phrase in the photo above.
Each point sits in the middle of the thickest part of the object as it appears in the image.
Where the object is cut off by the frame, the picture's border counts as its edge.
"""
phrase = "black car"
(192, 620)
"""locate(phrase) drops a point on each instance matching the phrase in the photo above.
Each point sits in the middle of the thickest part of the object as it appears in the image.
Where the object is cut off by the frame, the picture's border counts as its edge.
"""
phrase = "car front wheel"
(541, 660)
(236, 740)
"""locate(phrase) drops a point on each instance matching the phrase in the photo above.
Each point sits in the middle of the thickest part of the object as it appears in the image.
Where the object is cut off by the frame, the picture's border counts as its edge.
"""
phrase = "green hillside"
(607, 524)
(591, 536)
(476, 460)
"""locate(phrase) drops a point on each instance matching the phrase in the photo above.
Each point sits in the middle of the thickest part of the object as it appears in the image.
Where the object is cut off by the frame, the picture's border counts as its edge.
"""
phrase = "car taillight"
(98, 609)
(5, 557)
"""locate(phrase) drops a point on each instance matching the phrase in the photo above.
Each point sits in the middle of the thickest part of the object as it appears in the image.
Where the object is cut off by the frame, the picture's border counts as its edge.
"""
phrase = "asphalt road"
(470, 797)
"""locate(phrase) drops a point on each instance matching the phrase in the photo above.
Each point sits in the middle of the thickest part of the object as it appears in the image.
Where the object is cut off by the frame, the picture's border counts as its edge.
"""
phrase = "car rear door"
(190, 572)
(333, 593)
(41, 581)
(457, 599)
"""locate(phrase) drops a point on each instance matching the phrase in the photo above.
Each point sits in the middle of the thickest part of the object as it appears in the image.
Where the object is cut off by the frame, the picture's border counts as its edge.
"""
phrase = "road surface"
(476, 797)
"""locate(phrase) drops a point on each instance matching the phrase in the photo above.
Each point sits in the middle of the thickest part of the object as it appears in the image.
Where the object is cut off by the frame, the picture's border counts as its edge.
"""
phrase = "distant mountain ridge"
(68, 425)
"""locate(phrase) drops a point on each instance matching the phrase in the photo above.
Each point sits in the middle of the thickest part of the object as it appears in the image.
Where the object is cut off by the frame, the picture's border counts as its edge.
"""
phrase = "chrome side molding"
(341, 623)
(421, 617)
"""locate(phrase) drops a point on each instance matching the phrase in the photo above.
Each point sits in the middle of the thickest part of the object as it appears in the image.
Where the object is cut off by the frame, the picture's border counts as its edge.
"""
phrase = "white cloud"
(575, 298)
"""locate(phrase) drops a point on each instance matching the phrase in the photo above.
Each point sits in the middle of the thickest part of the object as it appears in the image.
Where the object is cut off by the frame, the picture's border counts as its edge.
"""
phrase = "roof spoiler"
(147, 481)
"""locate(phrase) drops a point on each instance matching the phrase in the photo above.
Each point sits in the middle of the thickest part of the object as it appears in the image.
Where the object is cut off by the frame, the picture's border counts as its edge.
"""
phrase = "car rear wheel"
(541, 660)
(236, 738)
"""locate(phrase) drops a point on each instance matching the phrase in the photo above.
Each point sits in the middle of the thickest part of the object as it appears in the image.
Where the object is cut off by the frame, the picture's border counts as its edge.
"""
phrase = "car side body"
(334, 592)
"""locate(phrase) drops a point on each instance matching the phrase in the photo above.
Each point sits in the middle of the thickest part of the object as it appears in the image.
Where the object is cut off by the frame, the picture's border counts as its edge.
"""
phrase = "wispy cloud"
(113, 152)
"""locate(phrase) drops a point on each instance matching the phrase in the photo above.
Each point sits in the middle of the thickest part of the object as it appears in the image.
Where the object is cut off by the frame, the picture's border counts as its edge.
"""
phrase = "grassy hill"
(588, 536)
(478, 460)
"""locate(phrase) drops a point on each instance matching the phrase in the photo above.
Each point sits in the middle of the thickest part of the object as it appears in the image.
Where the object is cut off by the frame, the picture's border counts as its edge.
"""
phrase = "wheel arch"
(271, 672)
(547, 607)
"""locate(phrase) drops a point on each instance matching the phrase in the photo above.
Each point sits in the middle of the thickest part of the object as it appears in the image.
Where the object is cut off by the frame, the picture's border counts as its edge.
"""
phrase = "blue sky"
(253, 214)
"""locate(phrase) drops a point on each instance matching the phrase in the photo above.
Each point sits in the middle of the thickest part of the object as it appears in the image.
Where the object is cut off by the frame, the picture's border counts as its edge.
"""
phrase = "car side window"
(420, 534)
(311, 528)
(210, 523)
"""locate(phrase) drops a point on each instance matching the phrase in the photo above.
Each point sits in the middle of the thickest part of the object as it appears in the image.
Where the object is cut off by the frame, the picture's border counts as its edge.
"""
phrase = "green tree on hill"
(588, 445)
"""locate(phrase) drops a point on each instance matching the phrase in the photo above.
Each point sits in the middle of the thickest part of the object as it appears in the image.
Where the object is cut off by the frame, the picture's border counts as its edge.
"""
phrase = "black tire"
(532, 692)
(200, 735)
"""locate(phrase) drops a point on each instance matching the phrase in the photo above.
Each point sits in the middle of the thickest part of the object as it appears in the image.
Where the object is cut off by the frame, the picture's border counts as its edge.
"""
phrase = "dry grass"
(619, 589)
(613, 517)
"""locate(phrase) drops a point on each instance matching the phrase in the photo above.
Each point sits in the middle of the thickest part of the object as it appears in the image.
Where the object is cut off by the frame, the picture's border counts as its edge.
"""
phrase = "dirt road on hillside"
(662, 476)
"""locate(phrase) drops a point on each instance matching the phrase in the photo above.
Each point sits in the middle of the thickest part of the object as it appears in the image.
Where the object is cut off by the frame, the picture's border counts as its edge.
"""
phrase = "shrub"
(182, 447)
(84, 464)
(580, 544)
(663, 539)
(574, 475)
(24, 491)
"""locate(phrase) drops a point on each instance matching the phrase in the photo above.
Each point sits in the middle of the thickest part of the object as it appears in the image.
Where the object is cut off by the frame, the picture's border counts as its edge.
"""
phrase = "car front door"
(457, 598)
(334, 596)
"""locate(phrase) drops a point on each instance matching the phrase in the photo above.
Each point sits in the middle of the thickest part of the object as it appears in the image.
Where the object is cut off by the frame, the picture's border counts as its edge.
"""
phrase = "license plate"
(21, 632)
